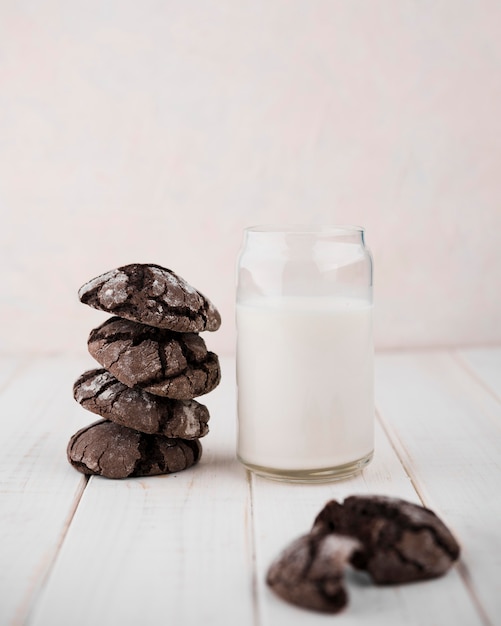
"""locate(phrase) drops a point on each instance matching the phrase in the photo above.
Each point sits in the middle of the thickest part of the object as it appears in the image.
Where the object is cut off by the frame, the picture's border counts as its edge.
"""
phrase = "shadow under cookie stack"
(154, 363)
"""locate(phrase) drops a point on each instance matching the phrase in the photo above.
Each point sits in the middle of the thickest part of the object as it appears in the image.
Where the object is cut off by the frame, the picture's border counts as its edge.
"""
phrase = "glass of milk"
(305, 369)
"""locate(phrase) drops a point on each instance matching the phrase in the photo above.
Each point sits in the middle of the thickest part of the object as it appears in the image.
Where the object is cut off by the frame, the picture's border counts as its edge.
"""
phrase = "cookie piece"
(175, 365)
(100, 392)
(153, 295)
(113, 451)
(309, 572)
(401, 542)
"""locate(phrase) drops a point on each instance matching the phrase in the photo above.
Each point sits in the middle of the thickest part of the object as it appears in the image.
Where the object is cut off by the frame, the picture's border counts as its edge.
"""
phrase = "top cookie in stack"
(155, 363)
(152, 295)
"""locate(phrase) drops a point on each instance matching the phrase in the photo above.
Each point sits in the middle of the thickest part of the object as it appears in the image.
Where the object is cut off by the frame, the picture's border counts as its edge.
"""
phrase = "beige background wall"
(156, 131)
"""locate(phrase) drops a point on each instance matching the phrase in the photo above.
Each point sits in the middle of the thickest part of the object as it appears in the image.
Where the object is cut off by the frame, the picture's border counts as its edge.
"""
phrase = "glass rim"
(306, 229)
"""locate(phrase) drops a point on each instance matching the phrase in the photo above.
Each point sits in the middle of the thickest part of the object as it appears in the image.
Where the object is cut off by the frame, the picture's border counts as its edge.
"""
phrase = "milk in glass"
(305, 382)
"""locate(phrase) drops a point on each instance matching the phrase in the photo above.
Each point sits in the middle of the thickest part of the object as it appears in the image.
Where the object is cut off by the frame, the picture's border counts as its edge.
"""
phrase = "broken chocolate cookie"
(395, 541)
(113, 451)
(165, 363)
(309, 572)
(400, 542)
(100, 392)
(153, 295)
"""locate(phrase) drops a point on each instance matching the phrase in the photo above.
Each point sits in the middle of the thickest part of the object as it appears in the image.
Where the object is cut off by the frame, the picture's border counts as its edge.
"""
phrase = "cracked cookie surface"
(113, 451)
(309, 572)
(401, 541)
(164, 363)
(153, 295)
(100, 392)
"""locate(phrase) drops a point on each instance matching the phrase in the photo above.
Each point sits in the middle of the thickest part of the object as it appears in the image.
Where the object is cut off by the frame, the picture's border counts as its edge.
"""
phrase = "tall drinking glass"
(305, 369)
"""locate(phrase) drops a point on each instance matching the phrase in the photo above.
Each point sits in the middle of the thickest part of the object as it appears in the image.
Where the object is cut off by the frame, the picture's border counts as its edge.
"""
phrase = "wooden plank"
(447, 430)
(169, 548)
(283, 512)
(38, 489)
(485, 365)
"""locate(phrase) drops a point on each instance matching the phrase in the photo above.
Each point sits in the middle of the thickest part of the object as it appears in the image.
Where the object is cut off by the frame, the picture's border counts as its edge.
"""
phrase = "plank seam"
(463, 363)
(255, 593)
(465, 577)
(64, 531)
(391, 436)
(461, 567)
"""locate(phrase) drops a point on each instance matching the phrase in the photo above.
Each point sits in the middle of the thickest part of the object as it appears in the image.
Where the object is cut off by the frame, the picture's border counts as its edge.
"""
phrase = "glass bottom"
(322, 475)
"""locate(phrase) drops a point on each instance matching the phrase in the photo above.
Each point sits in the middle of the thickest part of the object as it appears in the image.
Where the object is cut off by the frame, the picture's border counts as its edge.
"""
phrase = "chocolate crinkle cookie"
(164, 363)
(309, 572)
(100, 392)
(395, 541)
(400, 542)
(113, 451)
(153, 295)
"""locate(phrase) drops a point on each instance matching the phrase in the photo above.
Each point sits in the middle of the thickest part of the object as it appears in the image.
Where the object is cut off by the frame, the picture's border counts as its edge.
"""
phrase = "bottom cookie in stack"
(113, 451)
(142, 434)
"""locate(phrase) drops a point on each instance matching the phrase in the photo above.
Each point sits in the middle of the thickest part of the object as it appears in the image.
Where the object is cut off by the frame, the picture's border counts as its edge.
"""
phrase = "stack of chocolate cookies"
(154, 363)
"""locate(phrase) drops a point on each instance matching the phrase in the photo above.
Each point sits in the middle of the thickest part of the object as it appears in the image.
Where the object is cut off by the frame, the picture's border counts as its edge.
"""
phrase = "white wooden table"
(193, 548)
